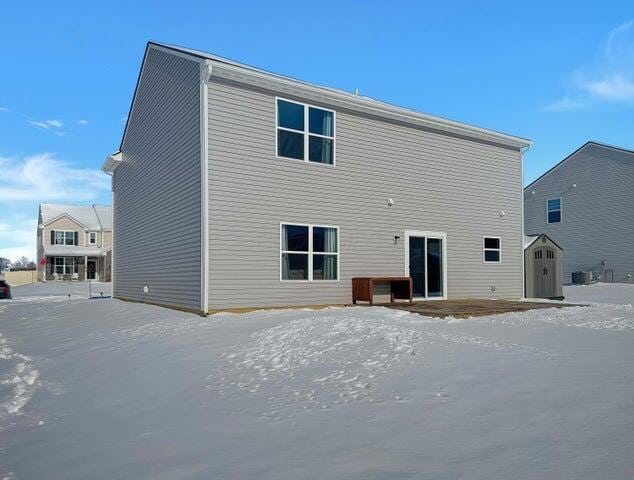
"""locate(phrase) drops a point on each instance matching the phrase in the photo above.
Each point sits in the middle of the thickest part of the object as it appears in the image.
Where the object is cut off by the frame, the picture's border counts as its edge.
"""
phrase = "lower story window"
(492, 250)
(309, 252)
(65, 265)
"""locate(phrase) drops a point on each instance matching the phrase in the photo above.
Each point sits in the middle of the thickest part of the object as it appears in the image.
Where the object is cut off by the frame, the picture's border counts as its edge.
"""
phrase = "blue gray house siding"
(597, 227)
(157, 187)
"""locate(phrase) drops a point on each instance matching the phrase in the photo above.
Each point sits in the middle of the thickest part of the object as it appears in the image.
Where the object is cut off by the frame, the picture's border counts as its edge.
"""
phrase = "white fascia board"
(361, 104)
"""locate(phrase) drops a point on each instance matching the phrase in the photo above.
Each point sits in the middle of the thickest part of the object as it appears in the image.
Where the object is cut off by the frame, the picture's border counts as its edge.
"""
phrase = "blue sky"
(559, 73)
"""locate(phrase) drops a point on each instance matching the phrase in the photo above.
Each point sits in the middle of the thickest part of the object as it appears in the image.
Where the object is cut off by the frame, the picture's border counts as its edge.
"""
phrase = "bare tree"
(5, 263)
(23, 263)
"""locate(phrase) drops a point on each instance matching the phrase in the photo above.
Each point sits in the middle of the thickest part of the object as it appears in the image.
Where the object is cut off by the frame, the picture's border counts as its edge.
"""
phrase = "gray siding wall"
(597, 216)
(157, 188)
(438, 182)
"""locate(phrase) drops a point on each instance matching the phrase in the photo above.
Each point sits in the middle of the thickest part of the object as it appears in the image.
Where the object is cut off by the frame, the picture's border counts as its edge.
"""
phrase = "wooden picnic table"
(363, 288)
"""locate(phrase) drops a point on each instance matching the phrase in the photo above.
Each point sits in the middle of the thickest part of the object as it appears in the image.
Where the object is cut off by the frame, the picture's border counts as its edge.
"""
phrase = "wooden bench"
(363, 288)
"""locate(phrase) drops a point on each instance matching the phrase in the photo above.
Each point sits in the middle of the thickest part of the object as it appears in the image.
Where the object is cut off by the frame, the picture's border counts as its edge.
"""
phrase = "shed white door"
(545, 270)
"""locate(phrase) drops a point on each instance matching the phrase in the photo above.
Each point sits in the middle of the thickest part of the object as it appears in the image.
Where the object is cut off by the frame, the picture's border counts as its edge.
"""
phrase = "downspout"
(205, 72)
(523, 150)
(112, 240)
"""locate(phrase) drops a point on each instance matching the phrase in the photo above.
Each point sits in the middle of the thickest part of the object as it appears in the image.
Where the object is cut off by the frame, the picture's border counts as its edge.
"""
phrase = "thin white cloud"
(613, 88)
(47, 124)
(4, 109)
(609, 79)
(565, 104)
(39, 124)
(43, 177)
(82, 122)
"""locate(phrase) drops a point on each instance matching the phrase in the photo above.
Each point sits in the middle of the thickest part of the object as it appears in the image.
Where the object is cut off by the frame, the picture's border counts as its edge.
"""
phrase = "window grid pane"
(491, 243)
(290, 144)
(290, 115)
(320, 122)
(491, 255)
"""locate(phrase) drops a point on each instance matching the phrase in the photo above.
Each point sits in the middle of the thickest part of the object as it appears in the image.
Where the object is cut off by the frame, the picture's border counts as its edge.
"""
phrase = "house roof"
(582, 147)
(247, 74)
(91, 217)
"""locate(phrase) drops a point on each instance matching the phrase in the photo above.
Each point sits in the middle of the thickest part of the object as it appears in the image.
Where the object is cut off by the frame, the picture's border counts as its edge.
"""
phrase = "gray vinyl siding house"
(592, 189)
(206, 198)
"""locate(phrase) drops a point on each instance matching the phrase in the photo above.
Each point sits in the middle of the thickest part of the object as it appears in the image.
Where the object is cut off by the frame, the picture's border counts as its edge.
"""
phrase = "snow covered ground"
(107, 389)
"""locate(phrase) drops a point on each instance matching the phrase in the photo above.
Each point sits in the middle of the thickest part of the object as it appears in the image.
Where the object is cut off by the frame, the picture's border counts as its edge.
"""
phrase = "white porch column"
(85, 268)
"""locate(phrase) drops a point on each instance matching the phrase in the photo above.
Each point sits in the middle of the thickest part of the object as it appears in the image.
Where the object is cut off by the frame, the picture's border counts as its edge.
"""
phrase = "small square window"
(492, 251)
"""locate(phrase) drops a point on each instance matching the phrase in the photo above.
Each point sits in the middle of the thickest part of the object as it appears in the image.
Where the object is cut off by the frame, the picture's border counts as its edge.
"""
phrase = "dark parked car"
(5, 289)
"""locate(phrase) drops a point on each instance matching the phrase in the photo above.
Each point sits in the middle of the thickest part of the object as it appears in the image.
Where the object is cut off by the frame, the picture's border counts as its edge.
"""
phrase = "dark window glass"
(417, 265)
(294, 266)
(491, 243)
(324, 267)
(554, 217)
(294, 238)
(491, 256)
(290, 144)
(320, 149)
(324, 239)
(434, 267)
(554, 204)
(320, 122)
(290, 115)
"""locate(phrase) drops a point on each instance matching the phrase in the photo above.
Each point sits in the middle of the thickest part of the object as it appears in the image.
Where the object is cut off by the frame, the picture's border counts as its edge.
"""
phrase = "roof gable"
(586, 145)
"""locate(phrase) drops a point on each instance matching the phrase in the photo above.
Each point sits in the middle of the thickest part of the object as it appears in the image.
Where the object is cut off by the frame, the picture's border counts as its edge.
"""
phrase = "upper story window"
(64, 237)
(92, 238)
(309, 252)
(305, 132)
(553, 210)
(492, 250)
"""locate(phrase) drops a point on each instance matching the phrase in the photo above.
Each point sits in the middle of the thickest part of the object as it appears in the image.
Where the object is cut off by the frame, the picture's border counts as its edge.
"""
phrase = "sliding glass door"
(426, 258)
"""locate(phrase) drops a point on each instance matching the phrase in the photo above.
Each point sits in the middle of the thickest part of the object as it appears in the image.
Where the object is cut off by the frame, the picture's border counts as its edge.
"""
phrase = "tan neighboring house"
(74, 242)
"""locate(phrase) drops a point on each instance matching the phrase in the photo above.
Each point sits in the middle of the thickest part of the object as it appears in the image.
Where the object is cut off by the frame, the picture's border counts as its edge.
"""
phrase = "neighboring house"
(235, 187)
(74, 242)
(586, 204)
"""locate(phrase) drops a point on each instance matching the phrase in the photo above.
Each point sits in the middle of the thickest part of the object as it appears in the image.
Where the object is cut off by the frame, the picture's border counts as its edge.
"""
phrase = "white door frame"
(438, 235)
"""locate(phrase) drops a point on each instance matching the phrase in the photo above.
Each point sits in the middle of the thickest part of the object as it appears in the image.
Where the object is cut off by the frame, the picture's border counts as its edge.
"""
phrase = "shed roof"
(530, 239)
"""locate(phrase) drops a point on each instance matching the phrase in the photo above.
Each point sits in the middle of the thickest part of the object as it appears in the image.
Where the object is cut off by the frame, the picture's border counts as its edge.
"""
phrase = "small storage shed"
(543, 260)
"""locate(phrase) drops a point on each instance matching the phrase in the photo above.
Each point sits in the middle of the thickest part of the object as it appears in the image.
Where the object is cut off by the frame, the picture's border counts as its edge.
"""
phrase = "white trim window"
(92, 238)
(309, 252)
(305, 132)
(64, 265)
(553, 210)
(492, 250)
(63, 237)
